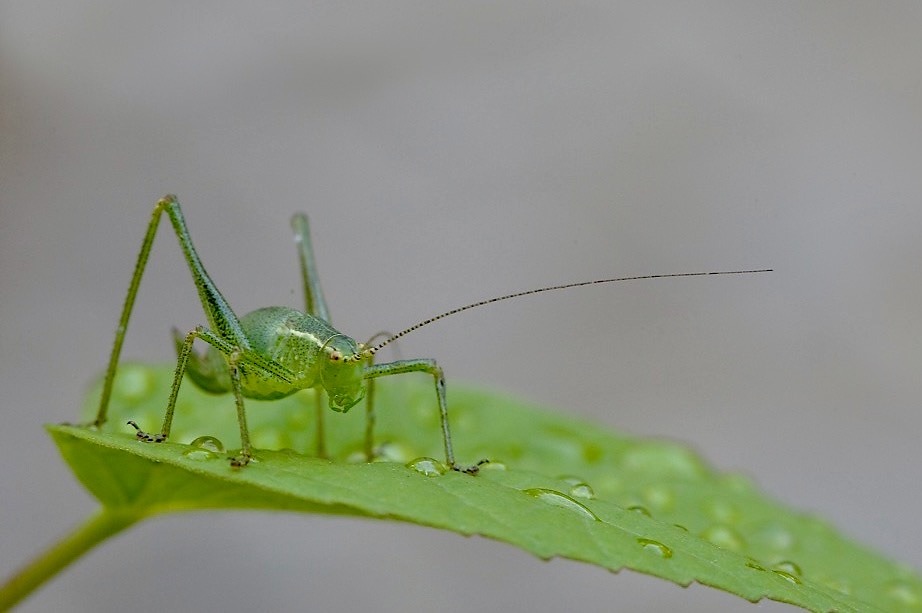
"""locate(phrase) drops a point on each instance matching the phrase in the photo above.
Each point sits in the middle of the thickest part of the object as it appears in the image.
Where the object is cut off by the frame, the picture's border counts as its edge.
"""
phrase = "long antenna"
(370, 351)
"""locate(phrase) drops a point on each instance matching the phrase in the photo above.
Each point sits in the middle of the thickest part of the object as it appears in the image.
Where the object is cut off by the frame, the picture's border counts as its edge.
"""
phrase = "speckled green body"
(290, 338)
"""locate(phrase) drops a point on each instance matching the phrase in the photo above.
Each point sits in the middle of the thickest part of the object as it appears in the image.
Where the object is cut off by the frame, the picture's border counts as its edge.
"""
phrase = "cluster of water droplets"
(768, 547)
(576, 493)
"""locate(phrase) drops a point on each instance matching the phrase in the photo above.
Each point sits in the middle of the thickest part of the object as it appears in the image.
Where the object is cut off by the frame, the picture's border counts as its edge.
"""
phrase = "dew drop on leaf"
(788, 567)
(204, 448)
(788, 570)
(393, 452)
(208, 443)
(774, 536)
(639, 509)
(724, 537)
(428, 467)
(787, 576)
(582, 490)
(754, 565)
(385, 452)
(557, 499)
(194, 453)
(655, 547)
(578, 487)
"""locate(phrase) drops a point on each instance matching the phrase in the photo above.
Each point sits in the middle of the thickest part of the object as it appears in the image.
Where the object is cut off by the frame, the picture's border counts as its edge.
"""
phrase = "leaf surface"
(556, 487)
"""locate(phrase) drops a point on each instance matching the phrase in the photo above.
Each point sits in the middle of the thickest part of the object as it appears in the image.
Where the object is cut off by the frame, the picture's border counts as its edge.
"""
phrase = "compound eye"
(336, 356)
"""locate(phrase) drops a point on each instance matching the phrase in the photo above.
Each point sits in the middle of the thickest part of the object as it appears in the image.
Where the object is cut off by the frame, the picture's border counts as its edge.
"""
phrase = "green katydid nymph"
(273, 352)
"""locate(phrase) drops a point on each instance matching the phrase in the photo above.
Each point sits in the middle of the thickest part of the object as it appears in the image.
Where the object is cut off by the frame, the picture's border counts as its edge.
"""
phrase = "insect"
(273, 352)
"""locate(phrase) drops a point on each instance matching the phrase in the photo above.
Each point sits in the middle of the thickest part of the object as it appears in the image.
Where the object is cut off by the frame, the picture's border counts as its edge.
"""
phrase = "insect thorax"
(293, 339)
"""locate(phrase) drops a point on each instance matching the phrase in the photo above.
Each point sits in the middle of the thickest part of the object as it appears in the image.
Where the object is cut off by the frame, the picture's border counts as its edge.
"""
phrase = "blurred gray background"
(448, 152)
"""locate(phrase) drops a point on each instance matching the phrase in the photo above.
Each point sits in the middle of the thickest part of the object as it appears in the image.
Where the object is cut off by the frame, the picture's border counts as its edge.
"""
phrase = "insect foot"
(144, 436)
(240, 460)
(470, 470)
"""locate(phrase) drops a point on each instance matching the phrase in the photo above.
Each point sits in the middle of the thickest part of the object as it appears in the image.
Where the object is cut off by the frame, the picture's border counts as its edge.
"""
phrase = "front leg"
(427, 366)
(184, 350)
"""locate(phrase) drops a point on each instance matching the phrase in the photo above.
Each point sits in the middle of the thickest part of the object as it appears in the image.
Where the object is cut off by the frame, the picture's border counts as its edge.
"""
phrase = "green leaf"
(557, 487)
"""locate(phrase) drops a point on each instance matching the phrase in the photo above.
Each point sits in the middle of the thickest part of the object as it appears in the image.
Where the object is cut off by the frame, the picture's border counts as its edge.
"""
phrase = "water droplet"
(788, 570)
(754, 565)
(204, 448)
(385, 452)
(208, 442)
(356, 457)
(491, 465)
(774, 536)
(724, 537)
(655, 547)
(639, 509)
(582, 490)
(393, 452)
(578, 487)
(555, 498)
(904, 593)
(787, 576)
(788, 567)
(199, 454)
(428, 467)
